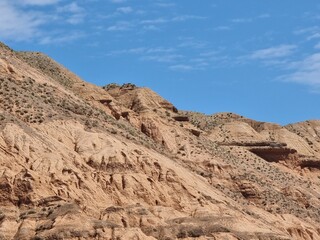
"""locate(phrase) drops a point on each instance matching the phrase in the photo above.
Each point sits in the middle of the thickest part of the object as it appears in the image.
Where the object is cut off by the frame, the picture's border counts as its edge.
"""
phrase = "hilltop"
(79, 161)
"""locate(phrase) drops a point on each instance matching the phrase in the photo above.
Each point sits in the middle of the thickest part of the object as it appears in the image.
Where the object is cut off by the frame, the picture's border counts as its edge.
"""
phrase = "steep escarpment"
(78, 161)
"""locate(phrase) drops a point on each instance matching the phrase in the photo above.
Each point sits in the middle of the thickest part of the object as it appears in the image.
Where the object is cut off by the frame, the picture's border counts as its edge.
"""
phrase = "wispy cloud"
(27, 20)
(61, 38)
(250, 19)
(151, 28)
(118, 1)
(151, 54)
(165, 4)
(179, 18)
(36, 2)
(183, 18)
(131, 51)
(192, 64)
(314, 36)
(306, 71)
(72, 7)
(120, 12)
(178, 59)
(18, 25)
(182, 67)
(163, 58)
(310, 33)
(125, 10)
(147, 53)
(75, 13)
(222, 28)
(264, 15)
(121, 26)
(306, 30)
(154, 21)
(154, 24)
(273, 52)
(201, 61)
(241, 20)
(317, 46)
(192, 43)
(160, 50)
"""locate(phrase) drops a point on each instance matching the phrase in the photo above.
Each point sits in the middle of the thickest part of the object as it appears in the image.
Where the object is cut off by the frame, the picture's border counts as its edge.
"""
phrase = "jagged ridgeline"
(79, 161)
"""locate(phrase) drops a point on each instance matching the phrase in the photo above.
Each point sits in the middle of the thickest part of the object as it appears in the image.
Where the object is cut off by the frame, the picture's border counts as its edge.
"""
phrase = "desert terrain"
(119, 162)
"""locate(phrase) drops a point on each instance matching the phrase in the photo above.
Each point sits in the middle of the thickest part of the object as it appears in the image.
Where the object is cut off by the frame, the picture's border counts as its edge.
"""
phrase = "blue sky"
(260, 59)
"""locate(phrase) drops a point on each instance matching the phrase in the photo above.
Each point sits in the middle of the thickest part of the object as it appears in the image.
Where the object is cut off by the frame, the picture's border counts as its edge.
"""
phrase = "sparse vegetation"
(47, 66)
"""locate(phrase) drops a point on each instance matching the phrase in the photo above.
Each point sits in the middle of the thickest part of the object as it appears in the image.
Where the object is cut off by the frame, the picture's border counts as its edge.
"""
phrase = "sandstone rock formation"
(82, 162)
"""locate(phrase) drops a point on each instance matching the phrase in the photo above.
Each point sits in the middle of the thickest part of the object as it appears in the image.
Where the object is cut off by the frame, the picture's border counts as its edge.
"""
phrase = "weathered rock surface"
(82, 162)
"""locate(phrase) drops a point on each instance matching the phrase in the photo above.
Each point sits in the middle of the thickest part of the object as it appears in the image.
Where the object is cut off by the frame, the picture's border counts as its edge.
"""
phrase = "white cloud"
(192, 43)
(154, 21)
(306, 71)
(59, 39)
(313, 36)
(165, 5)
(160, 50)
(121, 26)
(72, 7)
(182, 67)
(164, 58)
(310, 33)
(179, 18)
(74, 13)
(192, 64)
(173, 57)
(151, 28)
(306, 30)
(264, 15)
(212, 53)
(241, 20)
(118, 1)
(124, 10)
(222, 28)
(75, 19)
(151, 54)
(142, 50)
(37, 2)
(18, 25)
(183, 18)
(127, 51)
(273, 52)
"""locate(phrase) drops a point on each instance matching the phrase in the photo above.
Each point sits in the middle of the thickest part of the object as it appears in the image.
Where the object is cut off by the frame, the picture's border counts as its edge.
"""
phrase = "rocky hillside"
(78, 161)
